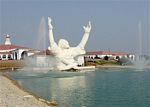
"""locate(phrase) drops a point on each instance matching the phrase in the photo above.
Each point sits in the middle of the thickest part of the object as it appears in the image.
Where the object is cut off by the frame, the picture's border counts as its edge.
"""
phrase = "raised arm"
(50, 31)
(85, 37)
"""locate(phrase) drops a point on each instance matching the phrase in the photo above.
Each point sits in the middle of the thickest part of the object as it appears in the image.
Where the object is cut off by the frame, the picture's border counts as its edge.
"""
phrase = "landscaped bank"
(13, 96)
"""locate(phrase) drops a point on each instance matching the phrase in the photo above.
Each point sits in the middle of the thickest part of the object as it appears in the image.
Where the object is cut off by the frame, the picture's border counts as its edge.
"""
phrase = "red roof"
(7, 47)
(106, 53)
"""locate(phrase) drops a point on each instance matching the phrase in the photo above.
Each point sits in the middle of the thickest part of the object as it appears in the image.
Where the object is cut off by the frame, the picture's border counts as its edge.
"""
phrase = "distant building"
(110, 54)
(9, 51)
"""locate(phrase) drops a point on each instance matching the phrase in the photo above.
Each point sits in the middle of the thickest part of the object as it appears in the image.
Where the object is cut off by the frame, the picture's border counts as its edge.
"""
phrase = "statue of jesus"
(65, 54)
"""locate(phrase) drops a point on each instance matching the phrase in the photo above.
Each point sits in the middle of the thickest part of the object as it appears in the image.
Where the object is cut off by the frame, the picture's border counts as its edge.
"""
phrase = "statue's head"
(63, 44)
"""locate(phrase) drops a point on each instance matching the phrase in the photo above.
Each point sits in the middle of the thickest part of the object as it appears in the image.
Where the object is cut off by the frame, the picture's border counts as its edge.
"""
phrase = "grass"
(101, 62)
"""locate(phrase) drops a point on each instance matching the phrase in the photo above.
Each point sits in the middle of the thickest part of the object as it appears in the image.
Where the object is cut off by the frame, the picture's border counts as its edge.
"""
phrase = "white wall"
(6, 58)
(80, 60)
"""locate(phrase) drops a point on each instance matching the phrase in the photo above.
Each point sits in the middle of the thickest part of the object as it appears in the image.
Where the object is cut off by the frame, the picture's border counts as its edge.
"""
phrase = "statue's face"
(63, 44)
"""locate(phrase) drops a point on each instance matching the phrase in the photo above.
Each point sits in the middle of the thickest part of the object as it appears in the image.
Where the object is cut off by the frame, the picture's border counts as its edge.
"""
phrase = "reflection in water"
(62, 87)
(72, 82)
(68, 88)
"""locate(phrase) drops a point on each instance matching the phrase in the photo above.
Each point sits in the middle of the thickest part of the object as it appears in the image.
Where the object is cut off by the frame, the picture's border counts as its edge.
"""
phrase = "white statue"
(63, 52)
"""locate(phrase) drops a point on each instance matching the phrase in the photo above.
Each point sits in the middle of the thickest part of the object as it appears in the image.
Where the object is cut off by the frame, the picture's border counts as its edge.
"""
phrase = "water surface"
(99, 88)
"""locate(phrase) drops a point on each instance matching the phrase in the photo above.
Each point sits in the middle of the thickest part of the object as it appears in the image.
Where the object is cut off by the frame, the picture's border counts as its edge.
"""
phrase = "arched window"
(117, 57)
(9, 57)
(23, 55)
(106, 58)
(4, 56)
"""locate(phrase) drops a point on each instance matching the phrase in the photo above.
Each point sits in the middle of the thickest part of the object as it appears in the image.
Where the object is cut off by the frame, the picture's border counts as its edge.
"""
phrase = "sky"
(114, 23)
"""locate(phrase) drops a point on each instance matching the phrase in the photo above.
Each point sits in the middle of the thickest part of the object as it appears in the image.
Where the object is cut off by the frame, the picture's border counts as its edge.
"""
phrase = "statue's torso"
(66, 55)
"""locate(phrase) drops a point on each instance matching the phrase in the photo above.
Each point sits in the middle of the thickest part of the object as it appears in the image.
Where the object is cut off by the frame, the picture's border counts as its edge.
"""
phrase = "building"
(9, 51)
(109, 54)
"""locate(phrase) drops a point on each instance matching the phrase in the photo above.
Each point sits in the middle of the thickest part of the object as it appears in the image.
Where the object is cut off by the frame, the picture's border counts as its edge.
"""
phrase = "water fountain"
(40, 60)
(41, 44)
(41, 39)
(140, 61)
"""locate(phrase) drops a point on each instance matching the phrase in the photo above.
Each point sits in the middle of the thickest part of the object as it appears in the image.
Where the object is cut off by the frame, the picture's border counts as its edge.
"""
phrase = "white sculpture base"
(83, 68)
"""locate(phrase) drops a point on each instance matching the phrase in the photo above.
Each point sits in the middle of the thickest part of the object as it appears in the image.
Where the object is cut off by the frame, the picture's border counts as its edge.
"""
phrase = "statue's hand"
(87, 28)
(50, 23)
